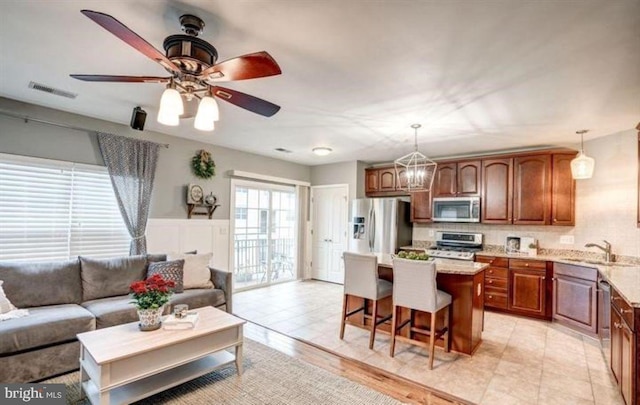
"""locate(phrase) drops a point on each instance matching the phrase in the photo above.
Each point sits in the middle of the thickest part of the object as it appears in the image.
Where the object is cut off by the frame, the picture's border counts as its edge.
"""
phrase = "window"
(57, 210)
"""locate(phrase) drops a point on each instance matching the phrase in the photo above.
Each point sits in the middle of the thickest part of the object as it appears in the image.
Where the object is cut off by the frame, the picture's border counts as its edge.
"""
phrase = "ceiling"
(479, 76)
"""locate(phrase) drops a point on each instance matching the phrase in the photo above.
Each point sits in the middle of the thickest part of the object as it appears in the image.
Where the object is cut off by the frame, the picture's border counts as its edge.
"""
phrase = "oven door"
(457, 209)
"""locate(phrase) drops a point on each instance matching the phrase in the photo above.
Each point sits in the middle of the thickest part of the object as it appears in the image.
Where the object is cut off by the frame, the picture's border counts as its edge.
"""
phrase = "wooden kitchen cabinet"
(563, 190)
(575, 297)
(532, 190)
(528, 292)
(496, 281)
(421, 211)
(382, 182)
(624, 363)
(497, 183)
(457, 179)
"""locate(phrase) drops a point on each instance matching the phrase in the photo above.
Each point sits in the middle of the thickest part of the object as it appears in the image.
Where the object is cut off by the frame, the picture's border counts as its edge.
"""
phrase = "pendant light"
(582, 166)
(415, 171)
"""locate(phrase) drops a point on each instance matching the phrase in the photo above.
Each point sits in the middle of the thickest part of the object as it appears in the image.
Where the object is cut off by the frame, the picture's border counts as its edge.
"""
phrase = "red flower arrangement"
(151, 293)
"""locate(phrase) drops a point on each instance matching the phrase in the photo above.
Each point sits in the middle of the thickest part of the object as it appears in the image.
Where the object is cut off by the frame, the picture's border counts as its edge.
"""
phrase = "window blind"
(57, 210)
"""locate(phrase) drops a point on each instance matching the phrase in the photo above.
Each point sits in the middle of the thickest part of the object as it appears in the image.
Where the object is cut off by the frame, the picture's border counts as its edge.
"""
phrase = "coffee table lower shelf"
(154, 384)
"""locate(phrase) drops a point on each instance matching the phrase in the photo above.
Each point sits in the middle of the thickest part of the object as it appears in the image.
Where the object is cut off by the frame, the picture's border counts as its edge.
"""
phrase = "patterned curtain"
(132, 167)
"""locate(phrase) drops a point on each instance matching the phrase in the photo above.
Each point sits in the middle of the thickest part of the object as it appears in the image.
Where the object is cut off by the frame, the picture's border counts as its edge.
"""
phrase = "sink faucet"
(606, 249)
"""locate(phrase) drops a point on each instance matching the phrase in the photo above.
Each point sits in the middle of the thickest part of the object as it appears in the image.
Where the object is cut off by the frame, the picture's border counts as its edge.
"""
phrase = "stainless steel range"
(456, 245)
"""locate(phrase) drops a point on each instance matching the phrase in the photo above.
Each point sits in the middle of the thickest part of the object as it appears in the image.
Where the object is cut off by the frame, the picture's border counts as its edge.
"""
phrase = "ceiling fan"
(191, 63)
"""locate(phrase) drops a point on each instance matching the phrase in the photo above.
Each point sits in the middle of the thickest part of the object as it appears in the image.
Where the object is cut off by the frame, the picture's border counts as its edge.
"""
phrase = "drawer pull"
(490, 271)
(526, 265)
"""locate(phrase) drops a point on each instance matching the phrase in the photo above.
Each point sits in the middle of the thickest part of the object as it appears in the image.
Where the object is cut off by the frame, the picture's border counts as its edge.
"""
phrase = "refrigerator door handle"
(372, 230)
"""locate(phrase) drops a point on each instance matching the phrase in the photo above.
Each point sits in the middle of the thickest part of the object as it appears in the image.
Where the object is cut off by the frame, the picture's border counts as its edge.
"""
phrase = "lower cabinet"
(623, 347)
(575, 297)
(517, 286)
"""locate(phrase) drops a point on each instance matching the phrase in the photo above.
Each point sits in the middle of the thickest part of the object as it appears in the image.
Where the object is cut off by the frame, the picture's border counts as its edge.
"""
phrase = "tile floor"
(520, 361)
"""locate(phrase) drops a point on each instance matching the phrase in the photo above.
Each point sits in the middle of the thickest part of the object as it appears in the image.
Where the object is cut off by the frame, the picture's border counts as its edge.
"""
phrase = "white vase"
(150, 319)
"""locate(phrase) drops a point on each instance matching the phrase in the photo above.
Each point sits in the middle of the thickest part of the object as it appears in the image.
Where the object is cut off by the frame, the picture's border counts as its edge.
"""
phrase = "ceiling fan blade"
(121, 31)
(250, 66)
(242, 100)
(121, 79)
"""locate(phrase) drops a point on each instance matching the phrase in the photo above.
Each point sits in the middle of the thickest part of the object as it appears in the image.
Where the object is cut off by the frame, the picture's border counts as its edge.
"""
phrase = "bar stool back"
(415, 287)
(361, 280)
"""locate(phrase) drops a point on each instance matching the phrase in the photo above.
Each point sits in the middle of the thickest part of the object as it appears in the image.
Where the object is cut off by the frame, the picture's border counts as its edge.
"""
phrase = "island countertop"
(445, 266)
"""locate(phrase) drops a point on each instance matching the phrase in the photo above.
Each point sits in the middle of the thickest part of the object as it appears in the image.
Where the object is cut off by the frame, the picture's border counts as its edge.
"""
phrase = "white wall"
(605, 205)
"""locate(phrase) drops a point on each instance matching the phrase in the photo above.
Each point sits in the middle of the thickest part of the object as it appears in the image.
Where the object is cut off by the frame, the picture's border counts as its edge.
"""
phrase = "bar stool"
(414, 287)
(361, 280)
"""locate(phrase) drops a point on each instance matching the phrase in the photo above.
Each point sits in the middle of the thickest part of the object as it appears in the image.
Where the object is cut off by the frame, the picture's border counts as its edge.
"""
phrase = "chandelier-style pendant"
(415, 171)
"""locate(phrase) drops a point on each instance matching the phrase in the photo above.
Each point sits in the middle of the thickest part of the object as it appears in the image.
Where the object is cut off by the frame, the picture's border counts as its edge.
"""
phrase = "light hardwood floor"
(521, 361)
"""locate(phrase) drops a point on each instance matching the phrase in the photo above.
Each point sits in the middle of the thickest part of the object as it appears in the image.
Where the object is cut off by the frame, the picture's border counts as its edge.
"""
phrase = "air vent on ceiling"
(283, 150)
(51, 90)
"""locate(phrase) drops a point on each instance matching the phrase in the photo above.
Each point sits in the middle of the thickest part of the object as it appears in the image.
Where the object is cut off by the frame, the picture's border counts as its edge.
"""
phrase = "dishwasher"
(604, 315)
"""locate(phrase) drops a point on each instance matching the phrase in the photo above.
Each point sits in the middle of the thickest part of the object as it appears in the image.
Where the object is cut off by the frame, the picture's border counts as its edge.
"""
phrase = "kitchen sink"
(598, 262)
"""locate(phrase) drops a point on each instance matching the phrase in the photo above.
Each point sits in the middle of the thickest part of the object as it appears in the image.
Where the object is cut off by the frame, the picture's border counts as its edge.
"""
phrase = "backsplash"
(606, 208)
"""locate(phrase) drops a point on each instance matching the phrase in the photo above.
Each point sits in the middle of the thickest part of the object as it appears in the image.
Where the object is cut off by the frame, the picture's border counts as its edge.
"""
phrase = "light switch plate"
(567, 239)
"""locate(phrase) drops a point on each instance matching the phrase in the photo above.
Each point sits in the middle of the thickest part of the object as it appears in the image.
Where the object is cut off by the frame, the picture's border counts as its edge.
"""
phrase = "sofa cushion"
(112, 311)
(197, 298)
(156, 257)
(170, 271)
(45, 326)
(110, 277)
(37, 284)
(196, 270)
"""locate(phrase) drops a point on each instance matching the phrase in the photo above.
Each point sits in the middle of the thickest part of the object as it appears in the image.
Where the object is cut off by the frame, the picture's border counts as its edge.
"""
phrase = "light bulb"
(207, 114)
(171, 107)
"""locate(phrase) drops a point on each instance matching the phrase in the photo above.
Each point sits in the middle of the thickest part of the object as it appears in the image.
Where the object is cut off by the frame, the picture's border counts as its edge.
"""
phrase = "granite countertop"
(446, 266)
(624, 277)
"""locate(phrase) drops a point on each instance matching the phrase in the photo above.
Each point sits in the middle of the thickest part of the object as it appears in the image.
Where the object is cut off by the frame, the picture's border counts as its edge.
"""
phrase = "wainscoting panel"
(166, 235)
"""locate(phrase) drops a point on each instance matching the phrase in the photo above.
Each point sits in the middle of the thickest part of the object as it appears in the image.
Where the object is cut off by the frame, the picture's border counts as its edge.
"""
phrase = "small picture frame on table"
(512, 244)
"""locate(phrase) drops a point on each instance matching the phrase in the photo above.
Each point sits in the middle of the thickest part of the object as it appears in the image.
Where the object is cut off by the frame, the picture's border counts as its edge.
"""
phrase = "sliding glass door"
(264, 234)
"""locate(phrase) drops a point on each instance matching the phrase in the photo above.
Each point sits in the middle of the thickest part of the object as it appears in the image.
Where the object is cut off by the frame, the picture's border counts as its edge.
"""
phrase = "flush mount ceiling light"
(322, 151)
(415, 171)
(582, 166)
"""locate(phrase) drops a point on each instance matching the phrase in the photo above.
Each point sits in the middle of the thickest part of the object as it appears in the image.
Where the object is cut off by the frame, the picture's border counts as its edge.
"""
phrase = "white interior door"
(329, 216)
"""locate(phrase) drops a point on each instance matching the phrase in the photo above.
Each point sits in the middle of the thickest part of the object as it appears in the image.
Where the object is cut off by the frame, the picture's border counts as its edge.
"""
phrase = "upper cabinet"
(527, 188)
(382, 182)
(563, 190)
(497, 192)
(457, 179)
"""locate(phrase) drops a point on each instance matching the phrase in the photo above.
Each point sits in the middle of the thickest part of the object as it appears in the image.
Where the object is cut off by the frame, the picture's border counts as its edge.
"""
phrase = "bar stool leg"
(447, 320)
(432, 340)
(394, 321)
(344, 316)
(374, 320)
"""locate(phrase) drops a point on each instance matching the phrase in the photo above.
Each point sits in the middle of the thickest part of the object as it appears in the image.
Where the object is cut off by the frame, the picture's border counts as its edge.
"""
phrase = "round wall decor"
(202, 164)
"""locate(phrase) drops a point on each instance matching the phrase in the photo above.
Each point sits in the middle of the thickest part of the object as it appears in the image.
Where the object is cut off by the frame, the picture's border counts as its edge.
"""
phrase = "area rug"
(270, 377)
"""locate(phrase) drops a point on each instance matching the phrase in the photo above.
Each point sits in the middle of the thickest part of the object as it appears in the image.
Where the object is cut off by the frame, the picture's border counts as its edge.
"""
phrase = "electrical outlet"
(432, 232)
(567, 240)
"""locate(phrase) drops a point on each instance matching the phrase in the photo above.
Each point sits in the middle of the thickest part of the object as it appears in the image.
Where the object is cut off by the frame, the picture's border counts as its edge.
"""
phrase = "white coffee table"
(121, 364)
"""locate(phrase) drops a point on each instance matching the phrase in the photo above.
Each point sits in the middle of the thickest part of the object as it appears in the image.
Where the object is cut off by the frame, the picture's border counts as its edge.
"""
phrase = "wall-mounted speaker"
(137, 118)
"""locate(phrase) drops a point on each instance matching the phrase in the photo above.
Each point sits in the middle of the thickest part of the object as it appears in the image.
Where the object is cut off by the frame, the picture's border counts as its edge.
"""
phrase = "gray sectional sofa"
(68, 297)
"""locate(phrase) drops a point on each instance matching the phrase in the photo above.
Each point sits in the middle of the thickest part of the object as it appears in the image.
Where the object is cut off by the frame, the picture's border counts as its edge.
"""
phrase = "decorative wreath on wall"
(202, 164)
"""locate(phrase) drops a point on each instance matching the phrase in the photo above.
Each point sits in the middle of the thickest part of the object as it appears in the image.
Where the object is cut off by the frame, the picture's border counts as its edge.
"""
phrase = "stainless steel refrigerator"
(379, 225)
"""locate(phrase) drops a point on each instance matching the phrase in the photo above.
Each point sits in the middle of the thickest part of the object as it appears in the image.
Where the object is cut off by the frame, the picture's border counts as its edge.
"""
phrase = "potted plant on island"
(149, 297)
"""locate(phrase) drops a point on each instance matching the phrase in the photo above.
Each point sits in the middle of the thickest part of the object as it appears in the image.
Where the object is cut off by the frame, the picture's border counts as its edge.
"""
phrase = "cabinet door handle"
(490, 281)
(544, 278)
(526, 265)
(491, 297)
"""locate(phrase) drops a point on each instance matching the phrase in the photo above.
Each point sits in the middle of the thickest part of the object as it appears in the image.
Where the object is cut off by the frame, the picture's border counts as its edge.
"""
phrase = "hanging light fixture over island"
(415, 171)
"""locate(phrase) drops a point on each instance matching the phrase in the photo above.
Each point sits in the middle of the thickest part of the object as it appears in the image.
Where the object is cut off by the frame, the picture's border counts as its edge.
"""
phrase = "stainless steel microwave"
(456, 209)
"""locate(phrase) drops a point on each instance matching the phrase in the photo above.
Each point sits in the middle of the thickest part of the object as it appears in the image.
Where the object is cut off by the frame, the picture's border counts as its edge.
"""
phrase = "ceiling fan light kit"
(191, 62)
(582, 166)
(415, 171)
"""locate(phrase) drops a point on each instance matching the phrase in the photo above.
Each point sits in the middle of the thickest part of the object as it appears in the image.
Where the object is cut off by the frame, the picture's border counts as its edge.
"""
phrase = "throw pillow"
(170, 271)
(7, 309)
(196, 270)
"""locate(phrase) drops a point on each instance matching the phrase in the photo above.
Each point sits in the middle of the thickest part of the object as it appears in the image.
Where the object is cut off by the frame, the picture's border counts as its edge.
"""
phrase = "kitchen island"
(463, 280)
